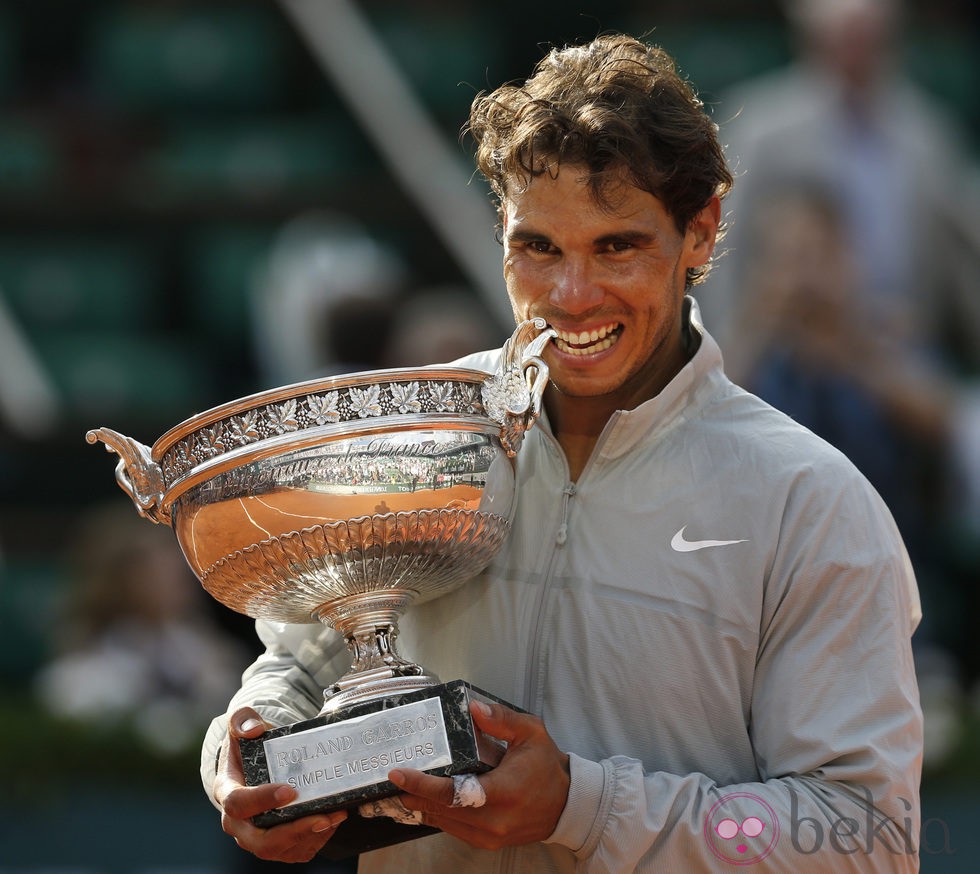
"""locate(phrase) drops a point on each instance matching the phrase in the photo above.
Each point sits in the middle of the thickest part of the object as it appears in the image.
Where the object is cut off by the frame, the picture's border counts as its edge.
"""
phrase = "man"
(707, 608)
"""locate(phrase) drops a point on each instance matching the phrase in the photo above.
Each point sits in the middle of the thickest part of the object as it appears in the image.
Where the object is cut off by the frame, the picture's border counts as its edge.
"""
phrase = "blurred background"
(199, 200)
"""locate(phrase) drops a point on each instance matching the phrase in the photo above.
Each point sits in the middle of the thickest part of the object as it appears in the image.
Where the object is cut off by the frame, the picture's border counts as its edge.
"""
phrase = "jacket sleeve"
(285, 684)
(834, 721)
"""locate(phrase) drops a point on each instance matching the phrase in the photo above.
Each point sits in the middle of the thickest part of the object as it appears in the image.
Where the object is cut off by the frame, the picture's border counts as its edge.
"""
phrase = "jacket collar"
(700, 378)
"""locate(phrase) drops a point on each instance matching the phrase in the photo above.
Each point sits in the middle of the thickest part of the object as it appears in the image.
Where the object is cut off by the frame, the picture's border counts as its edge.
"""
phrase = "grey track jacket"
(714, 622)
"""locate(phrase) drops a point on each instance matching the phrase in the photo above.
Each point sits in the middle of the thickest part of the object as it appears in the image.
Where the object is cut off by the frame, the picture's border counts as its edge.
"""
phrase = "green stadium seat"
(30, 159)
(254, 161)
(30, 596)
(718, 57)
(107, 377)
(946, 64)
(222, 261)
(204, 55)
(443, 54)
(77, 281)
(10, 59)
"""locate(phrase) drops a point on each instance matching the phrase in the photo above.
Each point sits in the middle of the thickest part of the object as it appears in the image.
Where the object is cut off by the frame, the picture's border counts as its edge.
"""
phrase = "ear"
(699, 241)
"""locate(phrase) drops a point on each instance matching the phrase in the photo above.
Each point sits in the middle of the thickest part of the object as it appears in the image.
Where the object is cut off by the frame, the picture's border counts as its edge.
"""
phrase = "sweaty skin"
(618, 275)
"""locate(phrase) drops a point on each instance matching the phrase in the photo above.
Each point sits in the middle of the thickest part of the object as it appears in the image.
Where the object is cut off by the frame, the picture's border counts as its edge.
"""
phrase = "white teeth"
(587, 342)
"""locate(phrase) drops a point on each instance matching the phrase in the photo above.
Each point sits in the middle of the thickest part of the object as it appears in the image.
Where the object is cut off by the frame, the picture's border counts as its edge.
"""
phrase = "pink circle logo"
(741, 828)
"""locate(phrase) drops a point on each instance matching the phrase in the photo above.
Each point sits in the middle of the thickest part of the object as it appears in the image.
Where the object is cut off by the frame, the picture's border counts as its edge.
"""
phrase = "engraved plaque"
(359, 752)
(355, 739)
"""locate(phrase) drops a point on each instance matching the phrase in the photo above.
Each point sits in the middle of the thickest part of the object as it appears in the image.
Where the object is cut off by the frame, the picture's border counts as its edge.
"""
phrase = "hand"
(296, 841)
(526, 792)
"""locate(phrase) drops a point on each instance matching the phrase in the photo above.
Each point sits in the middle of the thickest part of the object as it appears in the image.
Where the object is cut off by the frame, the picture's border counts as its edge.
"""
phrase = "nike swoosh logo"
(679, 544)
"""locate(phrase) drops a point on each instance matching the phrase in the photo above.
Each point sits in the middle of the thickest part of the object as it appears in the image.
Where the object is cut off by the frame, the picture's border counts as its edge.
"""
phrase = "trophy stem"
(369, 623)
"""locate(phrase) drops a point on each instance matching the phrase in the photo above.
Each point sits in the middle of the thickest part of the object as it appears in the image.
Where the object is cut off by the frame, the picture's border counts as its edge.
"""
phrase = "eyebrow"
(526, 236)
(627, 236)
(638, 237)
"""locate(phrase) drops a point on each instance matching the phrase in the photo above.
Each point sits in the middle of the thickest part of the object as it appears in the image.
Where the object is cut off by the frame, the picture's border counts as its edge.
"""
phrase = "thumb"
(496, 720)
(229, 770)
(246, 722)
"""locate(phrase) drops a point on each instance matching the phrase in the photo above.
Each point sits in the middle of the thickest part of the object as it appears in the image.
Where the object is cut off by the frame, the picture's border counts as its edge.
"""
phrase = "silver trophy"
(345, 500)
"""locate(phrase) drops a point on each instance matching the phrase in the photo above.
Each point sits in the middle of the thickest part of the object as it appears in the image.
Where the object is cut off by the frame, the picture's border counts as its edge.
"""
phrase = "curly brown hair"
(615, 104)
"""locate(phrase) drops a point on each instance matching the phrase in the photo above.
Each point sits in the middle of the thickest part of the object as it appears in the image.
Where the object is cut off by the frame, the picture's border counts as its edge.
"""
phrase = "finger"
(244, 802)
(246, 722)
(498, 721)
(422, 785)
(297, 841)
(230, 773)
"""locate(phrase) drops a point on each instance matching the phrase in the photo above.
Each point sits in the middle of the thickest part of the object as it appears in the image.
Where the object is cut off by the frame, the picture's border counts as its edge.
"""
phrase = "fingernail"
(483, 708)
(251, 724)
(324, 825)
(396, 778)
(284, 794)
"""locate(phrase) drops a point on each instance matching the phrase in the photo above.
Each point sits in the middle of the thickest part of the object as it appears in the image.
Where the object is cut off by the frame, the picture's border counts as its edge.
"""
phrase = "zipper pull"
(567, 494)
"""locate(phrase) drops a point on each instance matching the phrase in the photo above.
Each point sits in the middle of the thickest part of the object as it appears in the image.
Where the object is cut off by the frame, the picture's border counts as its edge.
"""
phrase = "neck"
(577, 422)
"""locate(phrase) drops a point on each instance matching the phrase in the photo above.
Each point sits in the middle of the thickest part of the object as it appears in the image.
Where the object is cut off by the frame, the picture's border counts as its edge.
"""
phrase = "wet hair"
(614, 106)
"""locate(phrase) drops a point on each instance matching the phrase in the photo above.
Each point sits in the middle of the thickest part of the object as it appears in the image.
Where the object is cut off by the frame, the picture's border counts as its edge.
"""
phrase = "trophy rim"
(255, 427)
(318, 385)
(271, 447)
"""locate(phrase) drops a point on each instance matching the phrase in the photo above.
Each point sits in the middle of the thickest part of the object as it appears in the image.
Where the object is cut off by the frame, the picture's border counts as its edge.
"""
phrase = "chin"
(584, 388)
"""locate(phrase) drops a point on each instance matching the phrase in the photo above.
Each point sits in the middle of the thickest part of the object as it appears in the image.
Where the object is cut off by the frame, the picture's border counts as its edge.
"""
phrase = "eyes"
(540, 247)
(614, 246)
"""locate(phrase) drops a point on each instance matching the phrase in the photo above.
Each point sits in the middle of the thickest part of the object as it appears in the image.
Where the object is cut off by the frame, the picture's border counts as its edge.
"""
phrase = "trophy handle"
(138, 475)
(512, 395)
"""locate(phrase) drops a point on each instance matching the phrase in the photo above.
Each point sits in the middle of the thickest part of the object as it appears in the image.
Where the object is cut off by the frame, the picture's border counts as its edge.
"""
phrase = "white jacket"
(765, 681)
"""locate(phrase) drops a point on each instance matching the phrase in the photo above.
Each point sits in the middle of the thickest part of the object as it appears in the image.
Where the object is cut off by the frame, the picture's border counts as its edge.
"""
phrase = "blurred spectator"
(439, 325)
(136, 646)
(322, 306)
(845, 113)
(849, 293)
(802, 350)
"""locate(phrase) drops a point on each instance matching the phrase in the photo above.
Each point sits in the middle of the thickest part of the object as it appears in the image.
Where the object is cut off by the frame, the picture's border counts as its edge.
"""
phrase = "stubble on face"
(609, 277)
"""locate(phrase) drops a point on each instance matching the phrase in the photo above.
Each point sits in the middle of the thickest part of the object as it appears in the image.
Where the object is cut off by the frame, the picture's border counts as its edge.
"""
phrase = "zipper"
(569, 491)
(567, 494)
(561, 534)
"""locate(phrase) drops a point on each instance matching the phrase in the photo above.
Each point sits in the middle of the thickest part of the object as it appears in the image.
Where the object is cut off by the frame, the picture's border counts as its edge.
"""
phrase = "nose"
(573, 289)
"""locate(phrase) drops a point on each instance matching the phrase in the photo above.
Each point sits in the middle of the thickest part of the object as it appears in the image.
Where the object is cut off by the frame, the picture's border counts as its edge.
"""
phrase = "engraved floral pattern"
(210, 441)
(345, 404)
(471, 399)
(184, 454)
(406, 397)
(442, 396)
(282, 417)
(324, 409)
(366, 402)
(243, 429)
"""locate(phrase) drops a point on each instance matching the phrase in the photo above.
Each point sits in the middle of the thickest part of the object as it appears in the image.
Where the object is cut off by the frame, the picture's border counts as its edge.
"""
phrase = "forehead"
(572, 195)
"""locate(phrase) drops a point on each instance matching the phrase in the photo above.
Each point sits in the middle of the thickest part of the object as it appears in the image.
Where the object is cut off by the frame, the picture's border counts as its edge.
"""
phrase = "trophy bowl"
(347, 499)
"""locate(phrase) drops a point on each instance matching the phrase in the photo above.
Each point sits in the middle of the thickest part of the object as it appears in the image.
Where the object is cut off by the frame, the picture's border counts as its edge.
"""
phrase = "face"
(610, 282)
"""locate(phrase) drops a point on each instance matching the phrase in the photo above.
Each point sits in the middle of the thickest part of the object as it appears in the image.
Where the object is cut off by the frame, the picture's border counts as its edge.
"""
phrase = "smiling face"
(610, 281)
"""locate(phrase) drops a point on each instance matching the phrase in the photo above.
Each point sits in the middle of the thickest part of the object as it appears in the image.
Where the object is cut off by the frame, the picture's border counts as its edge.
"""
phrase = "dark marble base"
(349, 743)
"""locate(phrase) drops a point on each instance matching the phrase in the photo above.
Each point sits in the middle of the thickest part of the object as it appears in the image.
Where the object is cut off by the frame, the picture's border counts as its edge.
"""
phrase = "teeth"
(587, 342)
